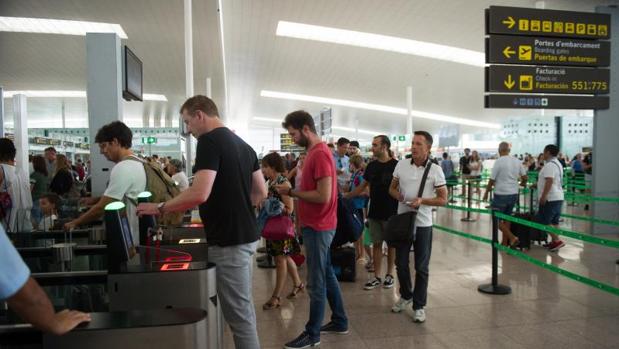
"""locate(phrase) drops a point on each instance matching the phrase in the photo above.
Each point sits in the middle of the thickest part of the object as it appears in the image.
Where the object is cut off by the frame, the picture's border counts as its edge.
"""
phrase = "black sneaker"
(333, 328)
(303, 341)
(389, 282)
(372, 284)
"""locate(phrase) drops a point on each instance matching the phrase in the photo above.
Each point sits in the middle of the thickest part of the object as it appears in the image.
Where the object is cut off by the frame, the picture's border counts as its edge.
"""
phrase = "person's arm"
(488, 189)
(94, 213)
(258, 188)
(321, 195)
(360, 190)
(197, 193)
(33, 306)
(288, 201)
(292, 173)
(547, 186)
(439, 200)
(394, 189)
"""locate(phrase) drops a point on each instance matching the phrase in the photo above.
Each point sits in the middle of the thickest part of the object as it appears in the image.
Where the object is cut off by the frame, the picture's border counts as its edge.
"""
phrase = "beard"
(303, 141)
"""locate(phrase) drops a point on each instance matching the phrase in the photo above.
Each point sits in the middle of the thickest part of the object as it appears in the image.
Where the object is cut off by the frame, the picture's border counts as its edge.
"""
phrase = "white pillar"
(62, 113)
(20, 114)
(188, 74)
(1, 112)
(209, 91)
(409, 108)
(104, 94)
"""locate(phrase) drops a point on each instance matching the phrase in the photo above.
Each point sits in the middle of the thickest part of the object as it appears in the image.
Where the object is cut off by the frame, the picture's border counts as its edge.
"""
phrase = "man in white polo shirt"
(506, 172)
(404, 187)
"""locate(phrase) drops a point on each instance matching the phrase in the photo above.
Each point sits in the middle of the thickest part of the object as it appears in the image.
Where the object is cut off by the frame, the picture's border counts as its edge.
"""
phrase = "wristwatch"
(160, 207)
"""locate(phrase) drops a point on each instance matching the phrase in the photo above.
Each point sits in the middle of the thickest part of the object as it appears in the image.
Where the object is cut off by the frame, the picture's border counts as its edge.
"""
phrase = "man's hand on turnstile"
(67, 320)
(148, 209)
(70, 226)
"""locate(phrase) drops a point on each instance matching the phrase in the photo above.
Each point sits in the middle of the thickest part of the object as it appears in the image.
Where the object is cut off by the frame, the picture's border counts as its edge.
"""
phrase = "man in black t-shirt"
(464, 162)
(227, 184)
(378, 175)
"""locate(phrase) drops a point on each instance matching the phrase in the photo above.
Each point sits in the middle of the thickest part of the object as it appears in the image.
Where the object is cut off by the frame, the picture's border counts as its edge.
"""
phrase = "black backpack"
(349, 224)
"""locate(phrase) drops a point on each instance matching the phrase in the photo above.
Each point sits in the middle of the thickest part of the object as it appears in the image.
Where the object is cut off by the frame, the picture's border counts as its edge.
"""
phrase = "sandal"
(514, 243)
(295, 291)
(273, 303)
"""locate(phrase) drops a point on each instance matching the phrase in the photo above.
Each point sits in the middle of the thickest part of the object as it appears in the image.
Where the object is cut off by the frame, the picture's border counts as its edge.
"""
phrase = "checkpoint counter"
(165, 286)
(163, 328)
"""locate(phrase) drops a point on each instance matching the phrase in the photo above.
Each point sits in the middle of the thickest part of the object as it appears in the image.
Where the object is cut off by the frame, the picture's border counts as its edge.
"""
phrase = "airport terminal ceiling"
(258, 60)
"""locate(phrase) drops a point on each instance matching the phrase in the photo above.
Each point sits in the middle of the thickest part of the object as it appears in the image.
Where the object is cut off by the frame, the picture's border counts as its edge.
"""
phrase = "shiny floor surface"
(544, 310)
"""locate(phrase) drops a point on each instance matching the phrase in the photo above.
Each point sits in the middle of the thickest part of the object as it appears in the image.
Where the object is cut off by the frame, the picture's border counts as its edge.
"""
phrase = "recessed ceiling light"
(378, 107)
(73, 94)
(58, 26)
(380, 42)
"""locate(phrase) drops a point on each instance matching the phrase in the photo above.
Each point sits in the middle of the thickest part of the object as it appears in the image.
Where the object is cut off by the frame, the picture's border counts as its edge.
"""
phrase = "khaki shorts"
(377, 230)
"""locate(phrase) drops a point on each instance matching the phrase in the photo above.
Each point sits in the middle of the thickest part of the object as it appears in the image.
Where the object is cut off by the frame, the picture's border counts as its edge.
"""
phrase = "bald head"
(504, 148)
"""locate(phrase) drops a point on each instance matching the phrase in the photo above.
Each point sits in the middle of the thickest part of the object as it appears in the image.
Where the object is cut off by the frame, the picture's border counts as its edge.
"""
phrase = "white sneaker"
(400, 305)
(420, 316)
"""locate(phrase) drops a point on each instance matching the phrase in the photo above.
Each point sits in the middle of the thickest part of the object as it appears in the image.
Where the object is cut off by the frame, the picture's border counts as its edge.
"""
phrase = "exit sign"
(149, 140)
(401, 138)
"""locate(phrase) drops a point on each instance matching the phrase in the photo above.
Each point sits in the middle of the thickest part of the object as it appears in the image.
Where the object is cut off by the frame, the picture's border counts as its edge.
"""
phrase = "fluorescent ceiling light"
(73, 94)
(341, 128)
(58, 26)
(154, 97)
(378, 107)
(380, 42)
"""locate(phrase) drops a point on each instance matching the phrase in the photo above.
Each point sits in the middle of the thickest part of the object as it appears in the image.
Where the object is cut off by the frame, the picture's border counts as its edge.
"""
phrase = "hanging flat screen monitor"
(132, 73)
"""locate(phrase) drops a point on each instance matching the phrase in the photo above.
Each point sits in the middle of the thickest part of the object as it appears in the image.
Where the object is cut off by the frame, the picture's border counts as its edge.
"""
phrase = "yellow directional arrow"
(509, 22)
(508, 52)
(509, 83)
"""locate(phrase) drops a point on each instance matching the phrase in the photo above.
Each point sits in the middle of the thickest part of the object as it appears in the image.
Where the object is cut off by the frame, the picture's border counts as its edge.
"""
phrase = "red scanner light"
(186, 258)
(174, 266)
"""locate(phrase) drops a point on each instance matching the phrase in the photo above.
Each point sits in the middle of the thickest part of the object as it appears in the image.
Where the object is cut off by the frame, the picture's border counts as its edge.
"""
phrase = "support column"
(409, 107)
(104, 94)
(20, 130)
(605, 141)
(209, 90)
(1, 112)
(188, 76)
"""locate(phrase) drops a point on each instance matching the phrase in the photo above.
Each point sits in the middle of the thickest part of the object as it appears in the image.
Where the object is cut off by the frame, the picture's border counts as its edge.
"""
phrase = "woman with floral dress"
(281, 250)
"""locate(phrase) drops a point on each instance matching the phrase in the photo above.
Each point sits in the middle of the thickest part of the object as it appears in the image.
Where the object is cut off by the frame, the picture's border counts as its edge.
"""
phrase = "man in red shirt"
(317, 212)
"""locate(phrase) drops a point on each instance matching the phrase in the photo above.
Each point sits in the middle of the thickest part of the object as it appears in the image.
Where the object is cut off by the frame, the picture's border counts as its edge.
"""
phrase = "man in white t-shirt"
(175, 170)
(405, 186)
(127, 179)
(550, 194)
(506, 173)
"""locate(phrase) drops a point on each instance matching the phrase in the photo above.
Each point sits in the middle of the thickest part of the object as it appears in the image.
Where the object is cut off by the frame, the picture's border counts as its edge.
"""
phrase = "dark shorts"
(550, 212)
(504, 203)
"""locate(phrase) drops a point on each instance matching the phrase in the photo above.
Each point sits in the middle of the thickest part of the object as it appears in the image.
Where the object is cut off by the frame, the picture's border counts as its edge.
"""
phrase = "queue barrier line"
(568, 233)
(589, 198)
(518, 254)
(571, 234)
(591, 219)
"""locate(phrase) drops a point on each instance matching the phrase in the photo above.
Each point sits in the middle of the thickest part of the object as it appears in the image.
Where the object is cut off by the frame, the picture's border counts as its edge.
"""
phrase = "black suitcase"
(522, 232)
(344, 263)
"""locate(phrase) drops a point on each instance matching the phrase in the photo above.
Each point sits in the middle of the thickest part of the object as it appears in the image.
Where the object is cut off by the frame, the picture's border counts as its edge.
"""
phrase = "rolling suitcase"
(343, 261)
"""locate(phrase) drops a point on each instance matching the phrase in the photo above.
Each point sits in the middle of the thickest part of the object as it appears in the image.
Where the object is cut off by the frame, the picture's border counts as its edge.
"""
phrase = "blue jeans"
(321, 282)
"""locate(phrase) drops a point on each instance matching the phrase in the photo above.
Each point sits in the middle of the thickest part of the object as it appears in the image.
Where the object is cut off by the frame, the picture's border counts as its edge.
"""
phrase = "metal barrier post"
(469, 202)
(494, 287)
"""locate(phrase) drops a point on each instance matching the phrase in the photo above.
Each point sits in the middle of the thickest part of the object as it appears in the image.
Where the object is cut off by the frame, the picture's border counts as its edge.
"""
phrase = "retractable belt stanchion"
(469, 202)
(495, 287)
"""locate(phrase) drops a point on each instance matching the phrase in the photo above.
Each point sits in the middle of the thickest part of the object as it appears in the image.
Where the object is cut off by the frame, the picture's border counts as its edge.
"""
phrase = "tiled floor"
(545, 310)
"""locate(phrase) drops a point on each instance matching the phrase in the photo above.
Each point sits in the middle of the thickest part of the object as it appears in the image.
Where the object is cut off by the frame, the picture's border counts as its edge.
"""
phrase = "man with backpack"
(127, 178)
